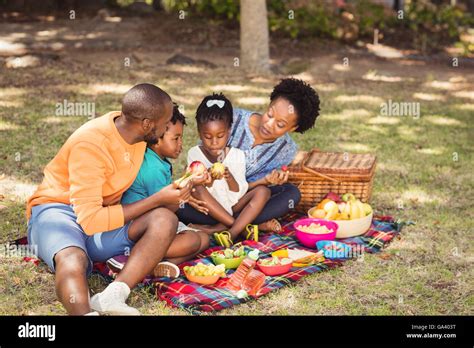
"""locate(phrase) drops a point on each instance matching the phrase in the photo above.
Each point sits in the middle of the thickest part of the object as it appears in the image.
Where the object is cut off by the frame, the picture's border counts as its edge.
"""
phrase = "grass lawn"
(424, 169)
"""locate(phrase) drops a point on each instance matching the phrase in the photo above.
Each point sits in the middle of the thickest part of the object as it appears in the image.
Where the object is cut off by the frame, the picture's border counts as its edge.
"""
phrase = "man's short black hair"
(177, 115)
(205, 113)
(304, 99)
(144, 101)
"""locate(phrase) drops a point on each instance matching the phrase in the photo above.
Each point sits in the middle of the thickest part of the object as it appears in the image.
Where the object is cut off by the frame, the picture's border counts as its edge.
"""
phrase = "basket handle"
(312, 171)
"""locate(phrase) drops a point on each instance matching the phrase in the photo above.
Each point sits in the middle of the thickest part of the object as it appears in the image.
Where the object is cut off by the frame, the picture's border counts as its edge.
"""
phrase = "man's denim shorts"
(53, 227)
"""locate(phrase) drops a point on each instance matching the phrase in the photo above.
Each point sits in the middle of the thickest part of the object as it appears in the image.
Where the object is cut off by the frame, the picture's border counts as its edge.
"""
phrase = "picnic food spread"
(230, 258)
(314, 228)
(203, 270)
(347, 207)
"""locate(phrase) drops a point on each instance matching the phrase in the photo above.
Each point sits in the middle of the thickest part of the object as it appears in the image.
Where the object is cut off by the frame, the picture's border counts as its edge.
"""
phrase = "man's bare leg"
(71, 280)
(153, 232)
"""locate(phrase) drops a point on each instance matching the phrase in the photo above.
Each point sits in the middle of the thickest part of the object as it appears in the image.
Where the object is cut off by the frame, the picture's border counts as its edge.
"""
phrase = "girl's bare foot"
(270, 226)
(209, 229)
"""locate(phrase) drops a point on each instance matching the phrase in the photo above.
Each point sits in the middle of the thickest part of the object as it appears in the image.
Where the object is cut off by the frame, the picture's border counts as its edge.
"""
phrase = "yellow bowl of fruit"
(351, 215)
(204, 274)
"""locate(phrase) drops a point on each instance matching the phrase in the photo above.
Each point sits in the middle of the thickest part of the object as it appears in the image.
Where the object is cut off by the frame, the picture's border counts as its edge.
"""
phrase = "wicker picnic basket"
(316, 173)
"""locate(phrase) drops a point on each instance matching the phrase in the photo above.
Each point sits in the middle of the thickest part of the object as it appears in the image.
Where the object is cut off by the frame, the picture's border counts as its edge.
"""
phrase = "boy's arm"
(86, 179)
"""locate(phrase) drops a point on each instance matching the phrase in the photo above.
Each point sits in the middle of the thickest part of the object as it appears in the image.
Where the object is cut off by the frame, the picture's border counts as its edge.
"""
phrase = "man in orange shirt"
(75, 216)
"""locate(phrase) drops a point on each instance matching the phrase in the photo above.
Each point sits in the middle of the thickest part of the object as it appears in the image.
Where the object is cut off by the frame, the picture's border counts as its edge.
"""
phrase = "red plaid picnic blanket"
(196, 298)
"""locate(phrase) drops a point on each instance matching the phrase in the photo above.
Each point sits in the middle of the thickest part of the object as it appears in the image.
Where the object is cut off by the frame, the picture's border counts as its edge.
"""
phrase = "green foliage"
(215, 9)
(433, 25)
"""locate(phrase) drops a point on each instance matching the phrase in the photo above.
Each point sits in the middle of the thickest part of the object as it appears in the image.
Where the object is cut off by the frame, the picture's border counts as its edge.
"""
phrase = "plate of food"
(274, 266)
(230, 258)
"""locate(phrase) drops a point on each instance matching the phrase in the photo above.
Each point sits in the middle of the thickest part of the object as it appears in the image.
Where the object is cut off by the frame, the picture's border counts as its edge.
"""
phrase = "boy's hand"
(172, 195)
(198, 205)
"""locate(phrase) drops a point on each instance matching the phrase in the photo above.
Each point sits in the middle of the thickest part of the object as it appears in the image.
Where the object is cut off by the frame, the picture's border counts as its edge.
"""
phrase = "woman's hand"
(277, 177)
(198, 205)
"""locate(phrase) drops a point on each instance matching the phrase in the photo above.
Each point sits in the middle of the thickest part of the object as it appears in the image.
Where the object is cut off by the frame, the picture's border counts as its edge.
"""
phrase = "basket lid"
(339, 163)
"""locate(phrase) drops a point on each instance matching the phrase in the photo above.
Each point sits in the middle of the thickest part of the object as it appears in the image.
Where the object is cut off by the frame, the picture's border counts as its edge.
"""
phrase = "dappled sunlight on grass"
(392, 167)
(443, 121)
(432, 151)
(61, 119)
(418, 196)
(4, 125)
(252, 101)
(369, 99)
(102, 88)
(347, 114)
(303, 76)
(354, 147)
(429, 96)
(384, 120)
(11, 103)
(378, 129)
(375, 76)
(326, 87)
(409, 132)
(464, 94)
(186, 69)
(10, 185)
(464, 107)
(7, 93)
(341, 67)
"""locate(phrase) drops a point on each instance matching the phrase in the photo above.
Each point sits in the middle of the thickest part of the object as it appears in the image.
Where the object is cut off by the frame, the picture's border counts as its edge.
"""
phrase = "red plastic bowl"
(275, 270)
(309, 239)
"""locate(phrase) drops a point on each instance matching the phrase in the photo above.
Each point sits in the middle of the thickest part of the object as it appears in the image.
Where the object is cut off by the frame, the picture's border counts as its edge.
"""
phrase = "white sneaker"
(166, 269)
(94, 313)
(111, 301)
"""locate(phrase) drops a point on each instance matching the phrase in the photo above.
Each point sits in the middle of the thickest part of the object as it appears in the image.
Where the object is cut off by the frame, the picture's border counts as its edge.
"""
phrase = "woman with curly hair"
(268, 146)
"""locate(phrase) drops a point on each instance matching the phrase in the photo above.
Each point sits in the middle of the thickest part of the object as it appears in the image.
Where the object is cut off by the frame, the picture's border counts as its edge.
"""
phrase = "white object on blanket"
(182, 227)
(296, 254)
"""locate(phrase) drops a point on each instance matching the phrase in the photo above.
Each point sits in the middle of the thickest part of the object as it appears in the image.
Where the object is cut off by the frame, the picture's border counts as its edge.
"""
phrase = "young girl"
(225, 192)
(155, 174)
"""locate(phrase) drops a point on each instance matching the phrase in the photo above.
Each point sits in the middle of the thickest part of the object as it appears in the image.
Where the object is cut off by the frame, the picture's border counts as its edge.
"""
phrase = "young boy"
(155, 173)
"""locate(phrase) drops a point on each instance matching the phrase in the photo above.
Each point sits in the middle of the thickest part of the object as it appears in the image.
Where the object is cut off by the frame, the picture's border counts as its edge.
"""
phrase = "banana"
(356, 213)
(367, 208)
(347, 209)
(332, 213)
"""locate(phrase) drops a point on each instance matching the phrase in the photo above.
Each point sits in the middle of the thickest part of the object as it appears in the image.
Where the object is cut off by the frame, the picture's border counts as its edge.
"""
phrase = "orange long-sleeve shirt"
(91, 171)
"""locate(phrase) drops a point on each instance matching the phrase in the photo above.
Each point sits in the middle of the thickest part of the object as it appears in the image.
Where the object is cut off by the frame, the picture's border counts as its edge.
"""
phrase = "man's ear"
(146, 124)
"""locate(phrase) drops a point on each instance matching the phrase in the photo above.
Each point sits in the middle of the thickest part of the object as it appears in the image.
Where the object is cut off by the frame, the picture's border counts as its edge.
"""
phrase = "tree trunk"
(254, 47)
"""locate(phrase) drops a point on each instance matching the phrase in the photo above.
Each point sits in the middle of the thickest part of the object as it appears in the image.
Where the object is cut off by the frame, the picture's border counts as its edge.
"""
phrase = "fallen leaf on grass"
(385, 256)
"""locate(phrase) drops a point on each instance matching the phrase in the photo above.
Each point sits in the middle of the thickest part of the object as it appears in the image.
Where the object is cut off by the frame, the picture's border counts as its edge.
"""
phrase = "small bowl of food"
(310, 230)
(274, 266)
(204, 274)
(230, 258)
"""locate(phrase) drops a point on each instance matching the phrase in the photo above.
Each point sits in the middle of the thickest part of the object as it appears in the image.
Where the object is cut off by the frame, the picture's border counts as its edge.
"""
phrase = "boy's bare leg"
(250, 205)
(186, 245)
(153, 233)
(71, 280)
